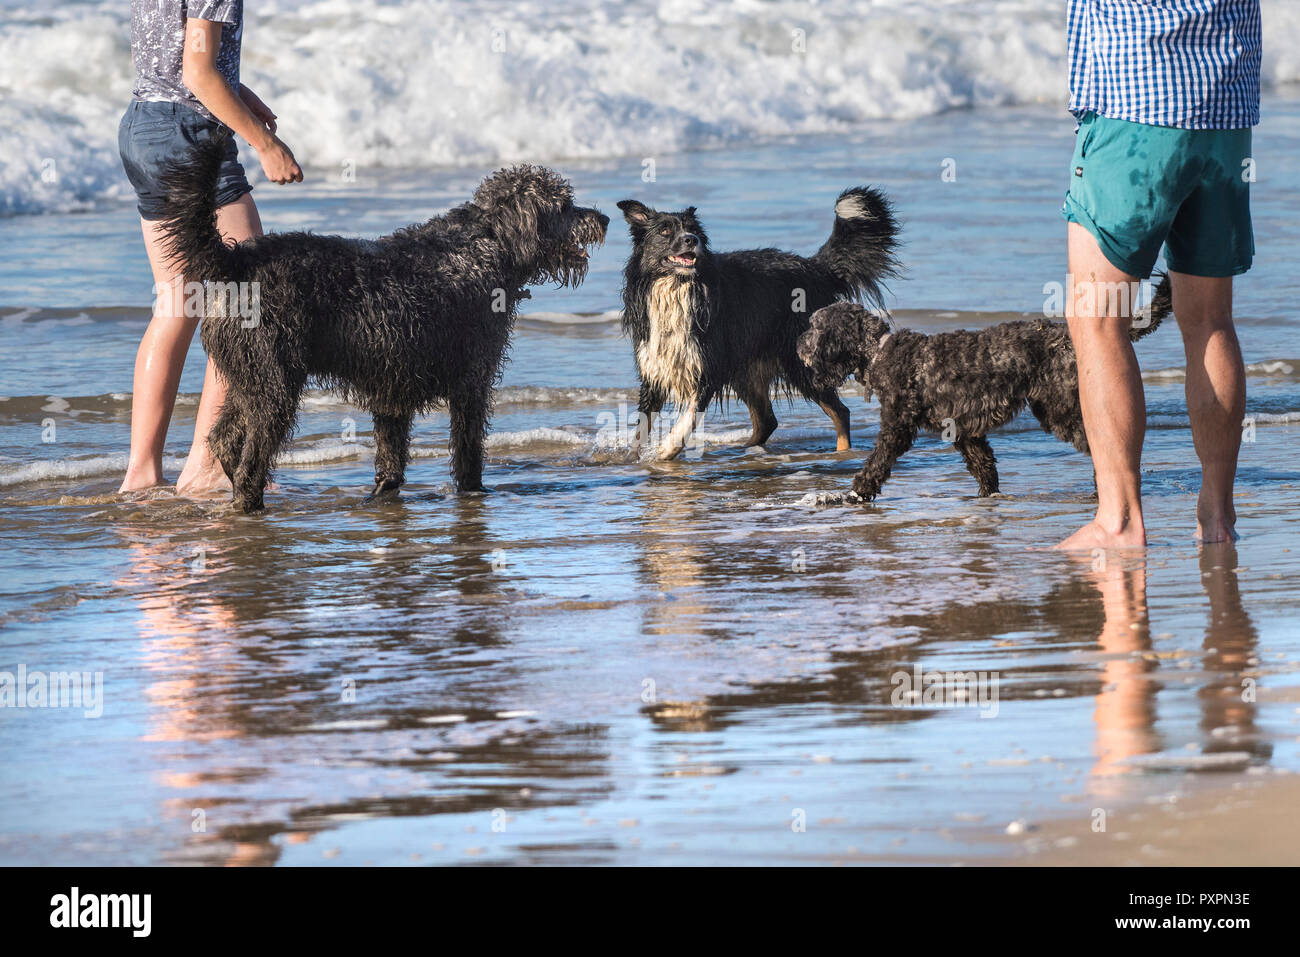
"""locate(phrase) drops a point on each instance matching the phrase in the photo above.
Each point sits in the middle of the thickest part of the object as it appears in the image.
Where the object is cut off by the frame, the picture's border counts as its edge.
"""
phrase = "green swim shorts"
(1136, 187)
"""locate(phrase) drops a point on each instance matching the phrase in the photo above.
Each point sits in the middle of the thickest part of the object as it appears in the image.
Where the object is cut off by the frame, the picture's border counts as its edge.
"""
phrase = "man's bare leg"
(1216, 395)
(160, 359)
(1111, 397)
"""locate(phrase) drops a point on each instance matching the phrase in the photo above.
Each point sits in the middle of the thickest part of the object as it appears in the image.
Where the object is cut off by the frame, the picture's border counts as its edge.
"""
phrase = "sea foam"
(419, 83)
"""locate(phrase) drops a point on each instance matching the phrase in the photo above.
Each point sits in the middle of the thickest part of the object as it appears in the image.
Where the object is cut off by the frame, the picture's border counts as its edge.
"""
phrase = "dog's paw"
(382, 493)
(860, 496)
(388, 483)
(824, 499)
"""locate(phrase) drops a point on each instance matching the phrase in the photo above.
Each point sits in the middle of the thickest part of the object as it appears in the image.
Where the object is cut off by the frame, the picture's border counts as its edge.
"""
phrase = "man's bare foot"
(1094, 535)
(1219, 529)
(1216, 523)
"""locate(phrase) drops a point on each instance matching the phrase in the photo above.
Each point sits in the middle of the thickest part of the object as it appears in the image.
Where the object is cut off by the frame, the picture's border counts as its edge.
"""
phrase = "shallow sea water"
(613, 662)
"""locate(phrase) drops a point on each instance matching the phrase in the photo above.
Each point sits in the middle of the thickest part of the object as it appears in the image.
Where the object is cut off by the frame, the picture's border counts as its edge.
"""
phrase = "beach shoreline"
(612, 661)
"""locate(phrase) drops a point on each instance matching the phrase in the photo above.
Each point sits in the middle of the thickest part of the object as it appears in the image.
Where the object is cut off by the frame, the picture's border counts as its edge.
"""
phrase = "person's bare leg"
(1110, 395)
(1216, 395)
(158, 364)
(202, 473)
(161, 357)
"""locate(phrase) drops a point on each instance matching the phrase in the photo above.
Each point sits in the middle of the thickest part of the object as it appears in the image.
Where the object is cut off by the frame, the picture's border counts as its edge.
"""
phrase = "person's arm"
(257, 107)
(199, 73)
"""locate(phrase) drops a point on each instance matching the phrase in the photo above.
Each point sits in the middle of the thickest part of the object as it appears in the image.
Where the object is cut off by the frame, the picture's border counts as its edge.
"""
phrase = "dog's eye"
(666, 231)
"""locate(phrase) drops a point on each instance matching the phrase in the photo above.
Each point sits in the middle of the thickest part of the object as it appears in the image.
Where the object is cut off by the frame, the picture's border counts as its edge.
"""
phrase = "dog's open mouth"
(682, 259)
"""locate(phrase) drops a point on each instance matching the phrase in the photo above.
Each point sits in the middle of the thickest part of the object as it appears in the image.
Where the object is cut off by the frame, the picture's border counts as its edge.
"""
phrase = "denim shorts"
(153, 134)
(1137, 187)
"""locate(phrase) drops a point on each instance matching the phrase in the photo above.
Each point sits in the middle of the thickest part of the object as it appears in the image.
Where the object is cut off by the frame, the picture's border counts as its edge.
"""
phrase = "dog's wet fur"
(705, 324)
(963, 383)
(397, 325)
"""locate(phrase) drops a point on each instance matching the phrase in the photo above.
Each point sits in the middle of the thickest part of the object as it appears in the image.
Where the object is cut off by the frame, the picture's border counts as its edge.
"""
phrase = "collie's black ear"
(692, 222)
(635, 213)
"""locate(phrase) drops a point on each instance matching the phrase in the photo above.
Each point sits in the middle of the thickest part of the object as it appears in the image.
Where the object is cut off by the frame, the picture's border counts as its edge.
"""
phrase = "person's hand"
(278, 163)
(255, 106)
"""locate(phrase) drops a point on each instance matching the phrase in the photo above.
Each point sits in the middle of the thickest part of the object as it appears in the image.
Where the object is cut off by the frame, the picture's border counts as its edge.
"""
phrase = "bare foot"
(137, 480)
(1216, 530)
(1215, 524)
(1094, 535)
(206, 483)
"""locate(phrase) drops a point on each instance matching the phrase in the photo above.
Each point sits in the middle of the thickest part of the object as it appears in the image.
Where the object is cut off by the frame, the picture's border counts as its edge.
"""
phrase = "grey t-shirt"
(158, 46)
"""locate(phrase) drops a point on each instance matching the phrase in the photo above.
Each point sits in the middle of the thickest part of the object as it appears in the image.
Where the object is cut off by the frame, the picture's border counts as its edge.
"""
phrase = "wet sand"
(608, 662)
(612, 663)
(1250, 822)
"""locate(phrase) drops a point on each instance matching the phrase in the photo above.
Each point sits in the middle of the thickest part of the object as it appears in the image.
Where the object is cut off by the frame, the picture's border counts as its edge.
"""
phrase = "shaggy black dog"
(959, 384)
(396, 325)
(702, 322)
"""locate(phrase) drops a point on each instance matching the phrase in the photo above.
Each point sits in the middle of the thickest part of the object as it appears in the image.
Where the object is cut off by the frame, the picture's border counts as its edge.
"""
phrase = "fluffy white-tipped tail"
(861, 248)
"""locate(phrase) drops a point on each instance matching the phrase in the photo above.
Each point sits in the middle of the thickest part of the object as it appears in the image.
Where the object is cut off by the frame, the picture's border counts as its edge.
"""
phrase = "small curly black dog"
(396, 325)
(961, 385)
(703, 322)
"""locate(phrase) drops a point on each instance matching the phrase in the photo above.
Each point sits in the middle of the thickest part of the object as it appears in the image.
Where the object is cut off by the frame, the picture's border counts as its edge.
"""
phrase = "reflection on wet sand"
(253, 654)
(1228, 697)
(1126, 713)
(677, 580)
(496, 648)
(674, 562)
(187, 652)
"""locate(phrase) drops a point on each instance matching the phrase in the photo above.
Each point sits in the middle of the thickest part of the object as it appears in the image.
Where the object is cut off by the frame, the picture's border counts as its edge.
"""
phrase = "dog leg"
(268, 417)
(762, 420)
(1063, 420)
(469, 423)
(892, 443)
(648, 406)
(689, 416)
(761, 417)
(226, 439)
(249, 480)
(839, 413)
(392, 451)
(980, 462)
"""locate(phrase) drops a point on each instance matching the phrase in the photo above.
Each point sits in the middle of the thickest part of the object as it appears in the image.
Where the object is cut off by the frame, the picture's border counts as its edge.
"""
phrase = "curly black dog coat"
(961, 384)
(396, 325)
(702, 322)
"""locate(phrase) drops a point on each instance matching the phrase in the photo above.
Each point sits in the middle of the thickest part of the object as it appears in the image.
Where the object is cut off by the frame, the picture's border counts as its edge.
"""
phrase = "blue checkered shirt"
(1190, 64)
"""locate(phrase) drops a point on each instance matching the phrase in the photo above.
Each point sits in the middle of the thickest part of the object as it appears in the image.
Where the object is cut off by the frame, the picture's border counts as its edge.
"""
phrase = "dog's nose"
(690, 240)
(604, 221)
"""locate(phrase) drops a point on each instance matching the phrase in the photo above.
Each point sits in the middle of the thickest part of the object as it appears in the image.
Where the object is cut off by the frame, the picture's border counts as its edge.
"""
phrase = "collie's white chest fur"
(671, 358)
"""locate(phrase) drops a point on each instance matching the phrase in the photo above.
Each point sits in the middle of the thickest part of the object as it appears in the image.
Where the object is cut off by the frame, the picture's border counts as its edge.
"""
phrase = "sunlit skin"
(1114, 405)
(158, 365)
(161, 356)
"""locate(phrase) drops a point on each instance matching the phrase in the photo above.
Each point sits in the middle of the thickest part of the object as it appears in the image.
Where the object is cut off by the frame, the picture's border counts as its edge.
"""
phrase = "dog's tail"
(860, 251)
(189, 220)
(1161, 305)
